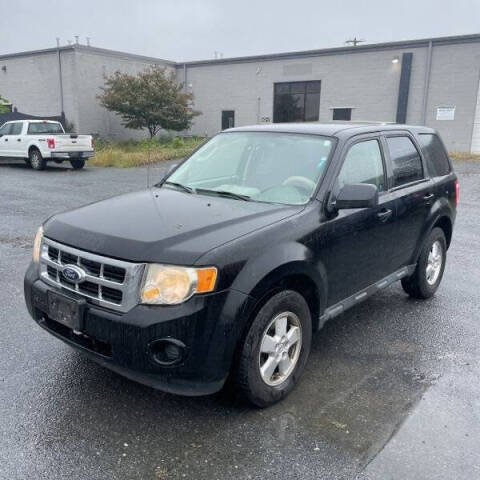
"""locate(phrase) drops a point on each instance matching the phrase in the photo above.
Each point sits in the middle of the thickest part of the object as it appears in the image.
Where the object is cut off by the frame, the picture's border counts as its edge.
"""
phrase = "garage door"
(476, 127)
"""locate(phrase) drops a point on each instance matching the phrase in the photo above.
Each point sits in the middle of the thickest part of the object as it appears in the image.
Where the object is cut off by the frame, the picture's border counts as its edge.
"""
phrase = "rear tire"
(275, 350)
(27, 162)
(426, 278)
(36, 160)
(77, 163)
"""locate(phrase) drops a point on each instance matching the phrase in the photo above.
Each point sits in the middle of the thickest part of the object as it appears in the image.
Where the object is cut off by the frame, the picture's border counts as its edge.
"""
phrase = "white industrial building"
(431, 81)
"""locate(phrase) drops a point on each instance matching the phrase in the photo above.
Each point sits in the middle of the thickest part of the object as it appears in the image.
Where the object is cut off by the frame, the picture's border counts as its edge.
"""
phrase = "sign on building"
(445, 113)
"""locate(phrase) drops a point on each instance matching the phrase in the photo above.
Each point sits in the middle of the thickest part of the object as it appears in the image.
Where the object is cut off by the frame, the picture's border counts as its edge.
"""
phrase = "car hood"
(161, 225)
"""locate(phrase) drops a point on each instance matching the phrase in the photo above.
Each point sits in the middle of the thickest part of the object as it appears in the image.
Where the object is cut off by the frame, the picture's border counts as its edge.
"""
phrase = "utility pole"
(355, 41)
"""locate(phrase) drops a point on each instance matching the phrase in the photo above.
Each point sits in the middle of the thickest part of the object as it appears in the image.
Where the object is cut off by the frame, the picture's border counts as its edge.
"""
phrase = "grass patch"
(465, 156)
(136, 153)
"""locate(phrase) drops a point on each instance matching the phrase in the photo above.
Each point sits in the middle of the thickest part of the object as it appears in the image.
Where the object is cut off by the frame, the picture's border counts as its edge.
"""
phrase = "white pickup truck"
(38, 141)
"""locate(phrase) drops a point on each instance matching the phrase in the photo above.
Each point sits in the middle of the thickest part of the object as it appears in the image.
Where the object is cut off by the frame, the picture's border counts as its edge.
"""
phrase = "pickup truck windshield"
(262, 166)
(44, 128)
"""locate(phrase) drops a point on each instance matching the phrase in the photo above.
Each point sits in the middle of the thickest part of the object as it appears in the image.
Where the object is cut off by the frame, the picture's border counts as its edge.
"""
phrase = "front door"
(228, 119)
(5, 142)
(355, 244)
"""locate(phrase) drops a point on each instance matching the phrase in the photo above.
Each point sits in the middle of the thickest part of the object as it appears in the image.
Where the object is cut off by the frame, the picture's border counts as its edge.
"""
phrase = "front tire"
(275, 350)
(36, 160)
(426, 278)
(77, 163)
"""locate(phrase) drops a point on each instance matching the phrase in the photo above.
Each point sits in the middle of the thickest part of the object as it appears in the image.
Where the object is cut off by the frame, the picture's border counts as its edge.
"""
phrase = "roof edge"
(470, 38)
(87, 49)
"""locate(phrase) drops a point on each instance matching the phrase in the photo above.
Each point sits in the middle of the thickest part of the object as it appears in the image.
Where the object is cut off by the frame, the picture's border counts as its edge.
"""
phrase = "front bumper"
(208, 326)
(67, 155)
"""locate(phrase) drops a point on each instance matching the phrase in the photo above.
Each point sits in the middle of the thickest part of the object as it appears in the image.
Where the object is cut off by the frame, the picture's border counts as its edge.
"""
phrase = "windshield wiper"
(181, 186)
(224, 193)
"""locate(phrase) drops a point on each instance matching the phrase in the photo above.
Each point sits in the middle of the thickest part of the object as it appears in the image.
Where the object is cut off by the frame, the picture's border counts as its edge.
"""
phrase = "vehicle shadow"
(21, 165)
(367, 370)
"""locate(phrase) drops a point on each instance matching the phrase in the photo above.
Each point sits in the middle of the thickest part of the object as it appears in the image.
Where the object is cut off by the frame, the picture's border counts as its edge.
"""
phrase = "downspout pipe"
(184, 78)
(426, 85)
(60, 81)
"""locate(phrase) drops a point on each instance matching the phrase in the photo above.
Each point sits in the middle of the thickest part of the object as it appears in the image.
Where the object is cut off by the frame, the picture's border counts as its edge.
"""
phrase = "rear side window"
(363, 164)
(435, 155)
(16, 129)
(406, 161)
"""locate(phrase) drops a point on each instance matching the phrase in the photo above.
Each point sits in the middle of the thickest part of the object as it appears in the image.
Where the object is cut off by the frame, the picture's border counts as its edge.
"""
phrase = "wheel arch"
(445, 223)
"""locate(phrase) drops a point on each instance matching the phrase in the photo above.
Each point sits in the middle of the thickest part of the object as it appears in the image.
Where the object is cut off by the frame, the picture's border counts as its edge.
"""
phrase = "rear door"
(16, 139)
(356, 243)
(413, 191)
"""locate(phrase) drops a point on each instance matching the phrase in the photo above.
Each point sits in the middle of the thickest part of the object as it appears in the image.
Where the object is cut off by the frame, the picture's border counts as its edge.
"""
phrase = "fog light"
(167, 351)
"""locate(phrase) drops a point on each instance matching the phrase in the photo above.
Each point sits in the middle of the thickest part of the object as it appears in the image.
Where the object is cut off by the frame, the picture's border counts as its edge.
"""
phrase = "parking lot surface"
(391, 390)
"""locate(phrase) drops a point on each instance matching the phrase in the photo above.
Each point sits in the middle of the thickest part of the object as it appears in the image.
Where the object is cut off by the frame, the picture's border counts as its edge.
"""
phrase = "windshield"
(45, 127)
(267, 167)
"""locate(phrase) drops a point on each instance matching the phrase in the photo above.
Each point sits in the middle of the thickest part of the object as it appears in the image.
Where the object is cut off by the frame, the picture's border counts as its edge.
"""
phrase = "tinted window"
(435, 155)
(342, 114)
(363, 164)
(16, 128)
(5, 130)
(406, 161)
(296, 101)
(44, 127)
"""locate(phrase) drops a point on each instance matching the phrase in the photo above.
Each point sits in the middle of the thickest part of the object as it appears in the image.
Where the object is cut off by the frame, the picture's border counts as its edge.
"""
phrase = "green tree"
(3, 105)
(152, 99)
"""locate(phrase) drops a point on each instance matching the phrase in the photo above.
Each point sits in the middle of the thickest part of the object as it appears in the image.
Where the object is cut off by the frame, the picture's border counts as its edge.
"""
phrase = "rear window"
(435, 155)
(406, 161)
(44, 128)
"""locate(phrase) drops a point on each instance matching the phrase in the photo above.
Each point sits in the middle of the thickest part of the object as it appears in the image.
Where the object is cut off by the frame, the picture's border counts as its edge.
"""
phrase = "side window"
(5, 130)
(435, 155)
(406, 161)
(363, 164)
(16, 128)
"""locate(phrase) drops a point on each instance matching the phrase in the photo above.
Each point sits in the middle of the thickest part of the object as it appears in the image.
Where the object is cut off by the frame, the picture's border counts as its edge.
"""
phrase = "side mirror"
(357, 195)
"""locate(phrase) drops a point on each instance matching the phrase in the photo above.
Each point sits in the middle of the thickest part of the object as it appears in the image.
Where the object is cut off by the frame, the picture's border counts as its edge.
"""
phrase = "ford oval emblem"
(73, 274)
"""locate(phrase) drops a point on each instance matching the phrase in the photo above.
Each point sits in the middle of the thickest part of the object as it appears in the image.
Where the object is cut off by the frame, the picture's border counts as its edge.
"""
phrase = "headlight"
(37, 243)
(169, 285)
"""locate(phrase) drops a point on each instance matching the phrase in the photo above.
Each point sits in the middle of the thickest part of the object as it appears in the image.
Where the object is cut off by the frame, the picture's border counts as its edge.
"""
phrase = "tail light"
(50, 142)
(457, 192)
(91, 143)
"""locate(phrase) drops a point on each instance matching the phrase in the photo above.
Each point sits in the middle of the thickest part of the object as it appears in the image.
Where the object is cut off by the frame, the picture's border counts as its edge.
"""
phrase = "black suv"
(226, 267)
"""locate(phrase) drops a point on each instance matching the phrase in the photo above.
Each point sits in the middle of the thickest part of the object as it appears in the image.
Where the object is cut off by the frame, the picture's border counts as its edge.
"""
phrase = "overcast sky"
(195, 29)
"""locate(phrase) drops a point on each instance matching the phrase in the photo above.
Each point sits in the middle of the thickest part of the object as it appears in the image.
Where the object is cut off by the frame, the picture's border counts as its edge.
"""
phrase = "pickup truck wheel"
(77, 163)
(36, 160)
(426, 278)
(275, 350)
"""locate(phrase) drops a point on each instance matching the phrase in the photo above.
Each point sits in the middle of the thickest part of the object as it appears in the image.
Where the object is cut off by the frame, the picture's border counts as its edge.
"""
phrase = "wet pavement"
(391, 390)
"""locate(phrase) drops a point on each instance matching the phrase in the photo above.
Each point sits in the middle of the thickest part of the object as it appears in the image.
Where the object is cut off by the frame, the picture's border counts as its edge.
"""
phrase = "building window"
(296, 101)
(342, 114)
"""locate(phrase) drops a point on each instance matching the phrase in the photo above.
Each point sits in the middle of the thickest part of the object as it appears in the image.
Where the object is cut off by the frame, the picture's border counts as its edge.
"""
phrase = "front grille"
(108, 282)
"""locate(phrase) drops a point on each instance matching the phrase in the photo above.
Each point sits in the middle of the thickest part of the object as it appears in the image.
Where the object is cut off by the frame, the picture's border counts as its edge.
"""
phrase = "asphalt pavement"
(391, 390)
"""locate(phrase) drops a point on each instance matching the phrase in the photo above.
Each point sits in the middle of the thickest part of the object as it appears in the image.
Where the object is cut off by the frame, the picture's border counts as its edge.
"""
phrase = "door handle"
(19, 139)
(428, 197)
(6, 139)
(384, 214)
